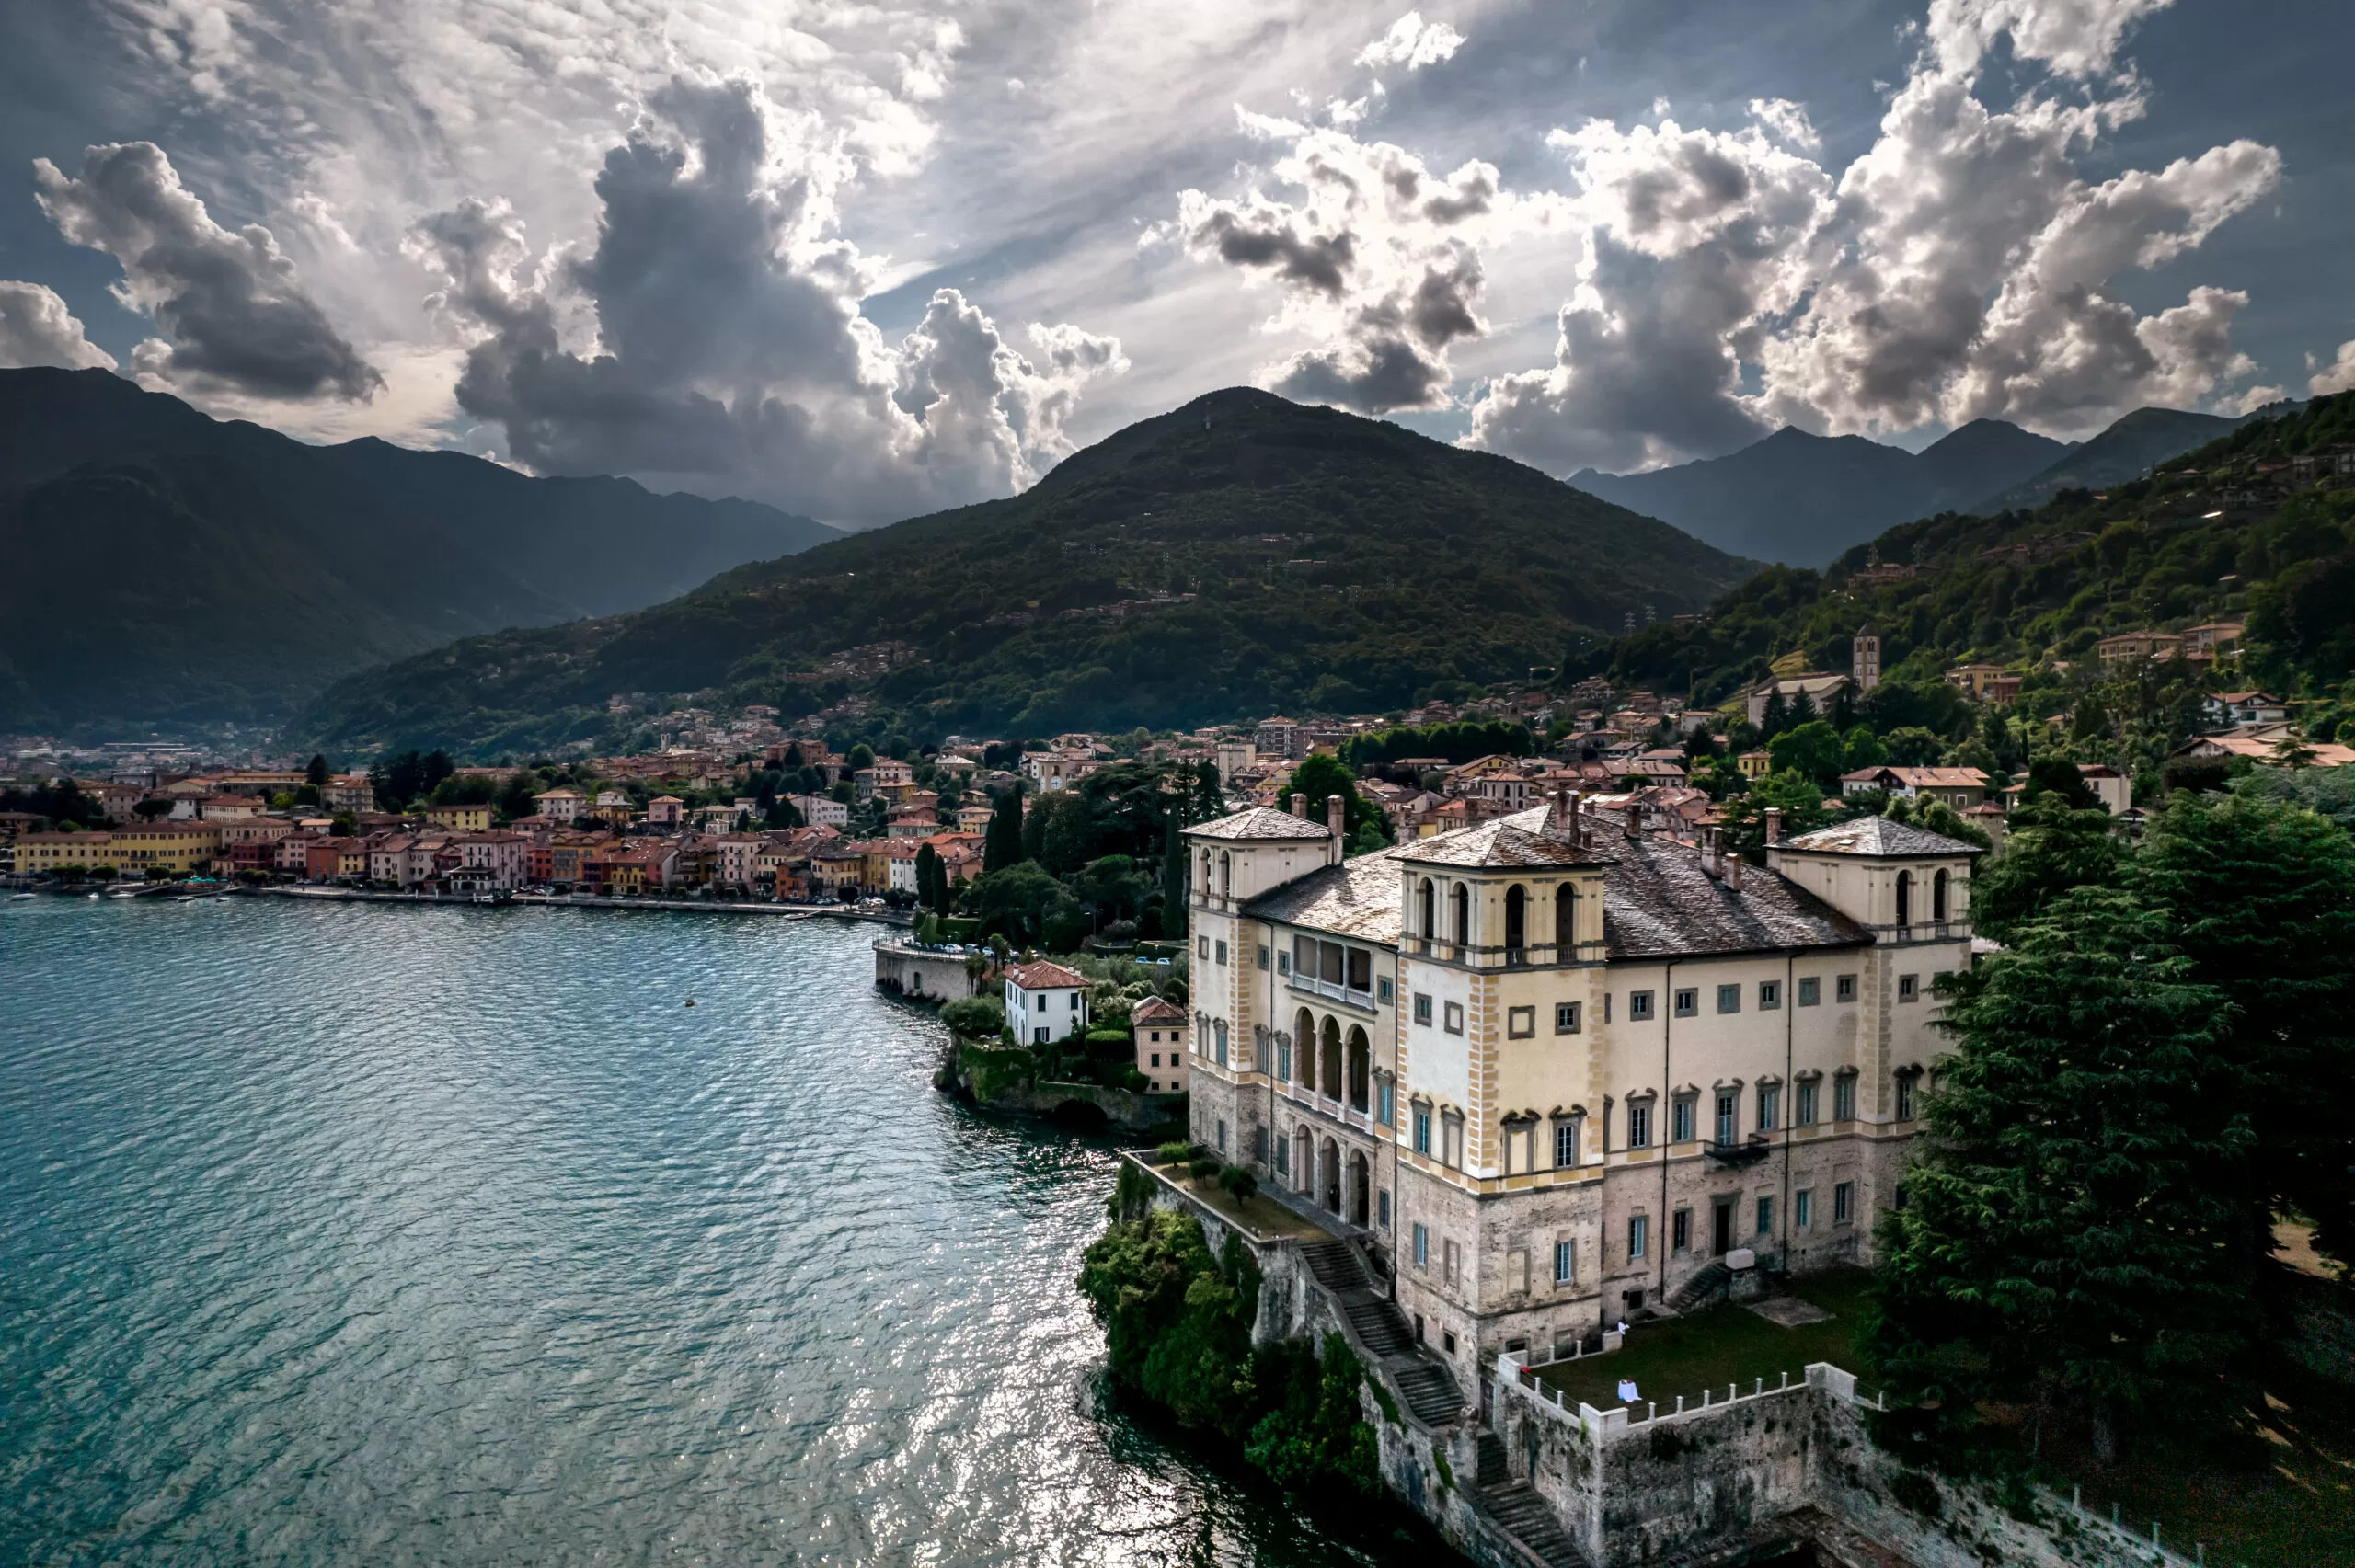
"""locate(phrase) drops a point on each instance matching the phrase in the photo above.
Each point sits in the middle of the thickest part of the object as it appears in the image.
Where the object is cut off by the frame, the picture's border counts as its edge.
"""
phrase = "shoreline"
(539, 900)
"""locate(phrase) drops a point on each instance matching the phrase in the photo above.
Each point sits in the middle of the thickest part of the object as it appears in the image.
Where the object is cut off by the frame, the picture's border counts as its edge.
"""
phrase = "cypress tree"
(1002, 844)
(1173, 885)
(927, 877)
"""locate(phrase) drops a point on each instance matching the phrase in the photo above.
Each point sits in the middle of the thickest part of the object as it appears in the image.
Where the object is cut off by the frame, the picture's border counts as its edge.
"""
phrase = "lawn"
(1263, 1218)
(1729, 1344)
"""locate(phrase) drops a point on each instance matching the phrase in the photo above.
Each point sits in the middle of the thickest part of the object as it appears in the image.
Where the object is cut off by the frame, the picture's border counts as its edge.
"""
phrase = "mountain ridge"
(1239, 552)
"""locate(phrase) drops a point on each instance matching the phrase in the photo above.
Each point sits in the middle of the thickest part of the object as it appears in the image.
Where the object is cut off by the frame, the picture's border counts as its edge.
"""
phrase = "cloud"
(233, 317)
(2337, 376)
(37, 329)
(1377, 261)
(1411, 43)
(713, 332)
(1961, 268)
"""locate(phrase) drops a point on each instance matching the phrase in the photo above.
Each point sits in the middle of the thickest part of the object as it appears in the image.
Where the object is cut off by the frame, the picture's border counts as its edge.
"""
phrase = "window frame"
(1688, 1002)
(1803, 1209)
(1423, 1009)
(1639, 1228)
(1640, 1006)
(1843, 1097)
(1844, 1203)
(1729, 999)
(1452, 1018)
(1766, 1215)
(1566, 1139)
(1566, 1262)
(1844, 990)
(1769, 996)
(1909, 988)
(1565, 1017)
(1811, 991)
(1639, 1123)
(1521, 1023)
(1803, 1103)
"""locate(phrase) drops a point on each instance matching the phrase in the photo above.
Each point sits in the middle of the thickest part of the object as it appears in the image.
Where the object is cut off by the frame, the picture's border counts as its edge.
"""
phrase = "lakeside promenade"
(892, 918)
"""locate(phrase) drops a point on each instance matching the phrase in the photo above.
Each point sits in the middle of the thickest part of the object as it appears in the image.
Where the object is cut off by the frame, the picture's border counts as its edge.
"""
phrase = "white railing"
(1512, 1374)
(1333, 991)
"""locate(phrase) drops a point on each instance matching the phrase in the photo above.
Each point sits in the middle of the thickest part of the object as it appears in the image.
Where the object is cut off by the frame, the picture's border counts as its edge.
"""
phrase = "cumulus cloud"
(2337, 376)
(233, 314)
(1963, 267)
(1411, 43)
(1377, 261)
(37, 329)
(713, 333)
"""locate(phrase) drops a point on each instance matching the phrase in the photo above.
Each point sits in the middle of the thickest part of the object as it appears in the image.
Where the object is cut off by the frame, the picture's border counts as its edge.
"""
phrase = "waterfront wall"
(920, 975)
(1001, 1079)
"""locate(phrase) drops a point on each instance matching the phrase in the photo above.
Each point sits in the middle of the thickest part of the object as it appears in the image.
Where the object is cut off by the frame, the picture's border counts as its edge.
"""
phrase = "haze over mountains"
(1801, 499)
(1240, 555)
(171, 567)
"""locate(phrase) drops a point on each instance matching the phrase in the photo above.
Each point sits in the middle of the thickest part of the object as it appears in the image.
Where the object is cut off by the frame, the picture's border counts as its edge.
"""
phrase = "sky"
(870, 260)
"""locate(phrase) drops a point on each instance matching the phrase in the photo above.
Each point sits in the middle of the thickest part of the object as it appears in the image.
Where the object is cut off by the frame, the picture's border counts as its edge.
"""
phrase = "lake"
(356, 1233)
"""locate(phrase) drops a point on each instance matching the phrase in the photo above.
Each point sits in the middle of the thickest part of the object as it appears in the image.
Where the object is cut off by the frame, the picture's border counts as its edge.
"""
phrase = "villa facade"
(1553, 1066)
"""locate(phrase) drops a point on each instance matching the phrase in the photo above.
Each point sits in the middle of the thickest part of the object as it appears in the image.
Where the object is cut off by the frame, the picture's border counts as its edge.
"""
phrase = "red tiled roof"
(1044, 975)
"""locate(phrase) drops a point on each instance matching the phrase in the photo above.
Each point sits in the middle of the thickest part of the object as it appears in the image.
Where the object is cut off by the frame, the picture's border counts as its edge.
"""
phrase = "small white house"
(1045, 1002)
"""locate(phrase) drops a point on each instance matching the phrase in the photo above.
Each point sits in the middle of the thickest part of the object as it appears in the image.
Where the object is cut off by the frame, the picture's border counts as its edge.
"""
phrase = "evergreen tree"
(1210, 795)
(2050, 847)
(1799, 798)
(1175, 886)
(1776, 717)
(1002, 843)
(2260, 891)
(1319, 776)
(2092, 721)
(315, 775)
(928, 879)
(2060, 1235)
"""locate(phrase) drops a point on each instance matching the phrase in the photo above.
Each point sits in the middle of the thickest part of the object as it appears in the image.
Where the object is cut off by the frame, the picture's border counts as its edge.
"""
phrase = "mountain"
(1803, 498)
(184, 570)
(2125, 451)
(1239, 555)
(2212, 535)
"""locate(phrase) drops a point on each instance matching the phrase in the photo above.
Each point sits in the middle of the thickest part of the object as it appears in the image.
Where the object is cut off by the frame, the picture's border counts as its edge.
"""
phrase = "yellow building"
(38, 853)
(460, 819)
(1753, 764)
(181, 846)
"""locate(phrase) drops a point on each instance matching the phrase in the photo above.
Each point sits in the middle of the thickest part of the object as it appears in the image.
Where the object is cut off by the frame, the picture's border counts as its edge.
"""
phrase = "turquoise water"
(385, 1235)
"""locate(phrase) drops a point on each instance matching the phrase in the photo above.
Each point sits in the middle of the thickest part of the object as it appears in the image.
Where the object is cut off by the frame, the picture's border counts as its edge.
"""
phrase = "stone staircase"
(1430, 1392)
(1704, 1289)
(1517, 1507)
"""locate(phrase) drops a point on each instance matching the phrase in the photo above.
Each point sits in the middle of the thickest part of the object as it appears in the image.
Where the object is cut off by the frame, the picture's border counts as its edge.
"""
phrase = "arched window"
(1516, 917)
(1329, 1066)
(1905, 897)
(1206, 874)
(1226, 874)
(1304, 1036)
(1360, 1062)
(1426, 911)
(1938, 898)
(1566, 923)
(1459, 908)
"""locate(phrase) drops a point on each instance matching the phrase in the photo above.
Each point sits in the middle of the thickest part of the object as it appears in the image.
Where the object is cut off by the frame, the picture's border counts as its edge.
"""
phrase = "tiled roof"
(1659, 903)
(1260, 822)
(1878, 835)
(1157, 1009)
(1357, 897)
(1044, 975)
(1519, 839)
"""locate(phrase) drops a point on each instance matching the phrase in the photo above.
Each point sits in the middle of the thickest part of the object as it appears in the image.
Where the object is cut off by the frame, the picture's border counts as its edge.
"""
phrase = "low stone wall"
(923, 976)
(1001, 1079)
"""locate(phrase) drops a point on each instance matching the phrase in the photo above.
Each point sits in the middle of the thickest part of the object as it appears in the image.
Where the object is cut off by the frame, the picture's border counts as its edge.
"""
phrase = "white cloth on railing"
(1628, 1391)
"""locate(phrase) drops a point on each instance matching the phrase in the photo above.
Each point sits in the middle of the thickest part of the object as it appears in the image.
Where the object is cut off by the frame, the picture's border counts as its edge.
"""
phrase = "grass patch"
(1729, 1344)
(1261, 1215)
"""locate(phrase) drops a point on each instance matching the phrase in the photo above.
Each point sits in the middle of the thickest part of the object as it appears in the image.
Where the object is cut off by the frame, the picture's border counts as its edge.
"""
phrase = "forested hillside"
(1240, 555)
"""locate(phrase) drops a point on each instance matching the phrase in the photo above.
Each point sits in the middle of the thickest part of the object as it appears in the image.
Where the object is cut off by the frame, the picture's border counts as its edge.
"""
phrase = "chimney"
(1631, 817)
(1711, 849)
(1774, 825)
(1733, 873)
(1337, 816)
(1299, 803)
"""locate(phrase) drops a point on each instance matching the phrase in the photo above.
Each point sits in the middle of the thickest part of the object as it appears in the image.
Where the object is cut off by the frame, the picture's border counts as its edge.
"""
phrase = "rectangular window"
(1222, 1135)
(1909, 988)
(1607, 1007)
(1422, 1246)
(1157, 1058)
(1728, 1116)
(1221, 1027)
(1422, 1133)
(1844, 1202)
(1640, 1126)
(1454, 1016)
(1283, 963)
(1680, 1231)
(1770, 995)
(1450, 1262)
(1381, 989)
(1263, 955)
(1905, 1098)
(1566, 1145)
(1770, 1107)
(1843, 1099)
(1810, 991)
(1202, 948)
(1283, 1157)
(1688, 1003)
(1680, 1122)
(1766, 1215)
(1566, 1262)
(1803, 1208)
(1384, 1100)
(1729, 999)
(1423, 1009)
(1382, 1206)
(1844, 989)
(1521, 1023)
(1640, 1005)
(1805, 1108)
(1360, 969)
(1566, 1018)
(1284, 1061)
(1222, 951)
(1638, 1235)
(1304, 957)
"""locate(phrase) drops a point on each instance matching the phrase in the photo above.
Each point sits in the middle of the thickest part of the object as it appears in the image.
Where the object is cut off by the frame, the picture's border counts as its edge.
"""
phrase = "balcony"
(1747, 1152)
(1331, 990)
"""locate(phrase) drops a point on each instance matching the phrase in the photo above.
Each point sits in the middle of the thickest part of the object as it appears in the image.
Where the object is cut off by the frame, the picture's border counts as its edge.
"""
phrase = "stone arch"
(1360, 1067)
(1938, 897)
(1359, 1188)
(1905, 898)
(1303, 1038)
(1329, 1065)
(1566, 921)
(1329, 1176)
(1427, 911)
(1459, 909)
(1516, 917)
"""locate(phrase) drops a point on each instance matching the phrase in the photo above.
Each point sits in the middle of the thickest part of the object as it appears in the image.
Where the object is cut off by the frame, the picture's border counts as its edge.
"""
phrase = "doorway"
(1721, 1237)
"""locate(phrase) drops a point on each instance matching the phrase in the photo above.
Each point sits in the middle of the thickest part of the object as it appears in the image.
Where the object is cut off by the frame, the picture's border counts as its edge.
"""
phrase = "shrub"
(1315, 1435)
(975, 1017)
(1240, 1182)
(1204, 1168)
(1176, 1152)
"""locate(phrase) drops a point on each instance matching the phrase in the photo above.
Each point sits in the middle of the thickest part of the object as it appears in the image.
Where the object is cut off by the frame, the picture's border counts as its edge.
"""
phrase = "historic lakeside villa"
(1554, 1068)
